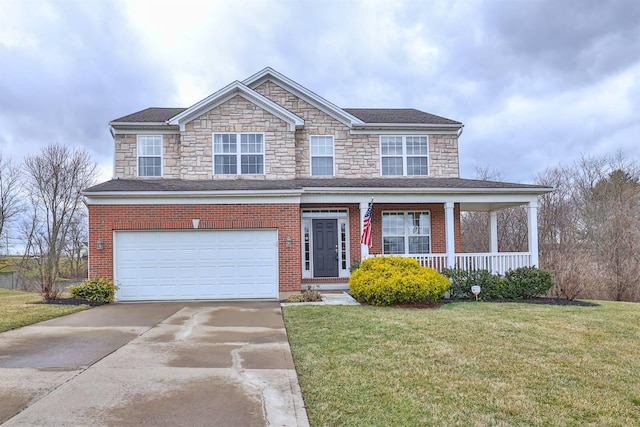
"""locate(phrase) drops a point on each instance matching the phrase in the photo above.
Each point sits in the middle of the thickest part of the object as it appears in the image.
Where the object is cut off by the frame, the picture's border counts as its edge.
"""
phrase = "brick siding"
(105, 219)
(286, 218)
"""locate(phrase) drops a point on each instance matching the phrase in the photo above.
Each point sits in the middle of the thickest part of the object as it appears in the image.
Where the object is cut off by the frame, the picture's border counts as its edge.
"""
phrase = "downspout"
(113, 136)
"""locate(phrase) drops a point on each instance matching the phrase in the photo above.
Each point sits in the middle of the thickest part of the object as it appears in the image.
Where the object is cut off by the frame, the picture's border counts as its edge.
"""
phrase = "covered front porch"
(494, 260)
(418, 218)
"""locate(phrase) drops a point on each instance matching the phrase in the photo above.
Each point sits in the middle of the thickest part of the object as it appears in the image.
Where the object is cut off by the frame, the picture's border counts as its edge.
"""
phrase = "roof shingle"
(398, 115)
(367, 115)
(150, 115)
(181, 185)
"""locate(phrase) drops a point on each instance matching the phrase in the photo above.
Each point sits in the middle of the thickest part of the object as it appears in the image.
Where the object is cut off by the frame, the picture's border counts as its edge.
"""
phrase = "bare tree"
(562, 251)
(75, 248)
(512, 224)
(10, 202)
(54, 181)
(613, 228)
(589, 228)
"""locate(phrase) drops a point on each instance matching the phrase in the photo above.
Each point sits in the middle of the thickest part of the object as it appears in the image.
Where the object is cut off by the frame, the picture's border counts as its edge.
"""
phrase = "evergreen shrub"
(521, 283)
(390, 280)
(98, 289)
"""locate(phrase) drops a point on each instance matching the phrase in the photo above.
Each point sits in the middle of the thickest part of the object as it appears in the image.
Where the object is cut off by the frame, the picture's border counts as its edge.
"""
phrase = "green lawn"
(468, 364)
(19, 308)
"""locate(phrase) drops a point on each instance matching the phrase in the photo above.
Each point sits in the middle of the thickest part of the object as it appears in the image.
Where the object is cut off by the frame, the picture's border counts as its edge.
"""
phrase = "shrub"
(392, 280)
(524, 282)
(296, 298)
(529, 282)
(311, 294)
(492, 286)
(97, 289)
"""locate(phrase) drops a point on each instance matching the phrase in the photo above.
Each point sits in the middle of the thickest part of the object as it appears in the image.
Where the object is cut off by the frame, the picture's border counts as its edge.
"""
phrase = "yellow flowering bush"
(392, 280)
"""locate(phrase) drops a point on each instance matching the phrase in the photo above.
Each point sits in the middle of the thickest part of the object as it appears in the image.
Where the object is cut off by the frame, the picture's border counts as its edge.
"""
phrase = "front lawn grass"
(19, 309)
(468, 364)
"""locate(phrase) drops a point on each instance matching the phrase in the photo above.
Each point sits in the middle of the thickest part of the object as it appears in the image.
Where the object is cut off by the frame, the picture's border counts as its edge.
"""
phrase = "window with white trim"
(149, 155)
(404, 155)
(238, 153)
(321, 150)
(406, 232)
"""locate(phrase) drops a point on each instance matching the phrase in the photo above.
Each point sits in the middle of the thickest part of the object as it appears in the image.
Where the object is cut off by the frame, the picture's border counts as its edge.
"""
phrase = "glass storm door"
(325, 247)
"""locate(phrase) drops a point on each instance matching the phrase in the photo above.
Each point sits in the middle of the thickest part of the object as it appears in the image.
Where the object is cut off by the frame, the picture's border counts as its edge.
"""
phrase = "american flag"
(367, 238)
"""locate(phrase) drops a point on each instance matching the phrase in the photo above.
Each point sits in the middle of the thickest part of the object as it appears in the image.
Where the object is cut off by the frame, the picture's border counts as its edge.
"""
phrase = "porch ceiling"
(488, 206)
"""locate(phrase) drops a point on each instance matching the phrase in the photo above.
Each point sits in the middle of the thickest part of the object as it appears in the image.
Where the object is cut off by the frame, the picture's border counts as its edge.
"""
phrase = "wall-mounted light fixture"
(99, 243)
(288, 241)
(195, 222)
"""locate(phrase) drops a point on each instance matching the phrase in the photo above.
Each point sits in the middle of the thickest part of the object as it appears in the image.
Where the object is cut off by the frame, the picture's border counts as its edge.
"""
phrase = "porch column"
(533, 231)
(493, 231)
(364, 249)
(449, 234)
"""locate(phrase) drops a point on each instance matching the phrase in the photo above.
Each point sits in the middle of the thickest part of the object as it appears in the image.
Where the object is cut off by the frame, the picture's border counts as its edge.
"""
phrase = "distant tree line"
(588, 228)
(41, 209)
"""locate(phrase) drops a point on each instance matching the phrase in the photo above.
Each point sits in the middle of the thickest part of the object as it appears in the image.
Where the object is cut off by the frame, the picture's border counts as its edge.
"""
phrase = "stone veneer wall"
(189, 156)
(127, 156)
(237, 115)
(356, 156)
(443, 156)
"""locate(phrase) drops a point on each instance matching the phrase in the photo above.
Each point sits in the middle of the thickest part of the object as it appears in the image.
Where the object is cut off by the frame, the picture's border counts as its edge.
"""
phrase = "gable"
(229, 92)
(236, 114)
(270, 75)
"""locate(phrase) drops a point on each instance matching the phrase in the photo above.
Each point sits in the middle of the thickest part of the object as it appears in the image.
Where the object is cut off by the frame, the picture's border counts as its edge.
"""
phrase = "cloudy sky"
(536, 83)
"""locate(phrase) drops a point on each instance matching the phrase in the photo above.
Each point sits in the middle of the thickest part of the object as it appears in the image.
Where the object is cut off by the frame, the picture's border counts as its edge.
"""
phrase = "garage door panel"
(200, 264)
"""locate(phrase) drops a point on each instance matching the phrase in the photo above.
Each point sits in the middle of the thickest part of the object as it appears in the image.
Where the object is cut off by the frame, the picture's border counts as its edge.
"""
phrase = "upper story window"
(149, 155)
(238, 153)
(321, 149)
(404, 155)
(406, 232)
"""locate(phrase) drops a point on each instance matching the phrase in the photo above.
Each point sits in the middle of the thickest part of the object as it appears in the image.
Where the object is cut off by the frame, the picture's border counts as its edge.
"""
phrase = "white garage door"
(198, 264)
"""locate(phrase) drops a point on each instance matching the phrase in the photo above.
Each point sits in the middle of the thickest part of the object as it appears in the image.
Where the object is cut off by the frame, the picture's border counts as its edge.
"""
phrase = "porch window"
(406, 232)
(321, 149)
(404, 155)
(238, 153)
(149, 155)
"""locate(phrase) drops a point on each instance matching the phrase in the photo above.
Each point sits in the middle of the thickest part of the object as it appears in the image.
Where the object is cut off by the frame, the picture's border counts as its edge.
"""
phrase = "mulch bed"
(546, 301)
(72, 301)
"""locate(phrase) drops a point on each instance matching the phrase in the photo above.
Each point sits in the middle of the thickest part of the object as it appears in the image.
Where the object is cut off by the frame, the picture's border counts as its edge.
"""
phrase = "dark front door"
(325, 247)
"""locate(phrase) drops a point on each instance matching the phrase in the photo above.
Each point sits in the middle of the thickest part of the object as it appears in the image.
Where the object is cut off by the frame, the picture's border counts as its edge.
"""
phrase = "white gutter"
(137, 124)
(191, 194)
(312, 190)
(407, 125)
(422, 190)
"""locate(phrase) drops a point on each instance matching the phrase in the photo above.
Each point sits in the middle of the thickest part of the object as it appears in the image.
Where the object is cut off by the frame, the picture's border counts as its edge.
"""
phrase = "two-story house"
(261, 189)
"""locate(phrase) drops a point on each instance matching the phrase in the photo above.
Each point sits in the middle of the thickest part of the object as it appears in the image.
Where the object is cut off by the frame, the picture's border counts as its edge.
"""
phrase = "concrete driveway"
(179, 364)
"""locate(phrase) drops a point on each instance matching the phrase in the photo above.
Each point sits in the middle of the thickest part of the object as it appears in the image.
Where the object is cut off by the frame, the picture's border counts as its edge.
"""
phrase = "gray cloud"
(535, 82)
(77, 67)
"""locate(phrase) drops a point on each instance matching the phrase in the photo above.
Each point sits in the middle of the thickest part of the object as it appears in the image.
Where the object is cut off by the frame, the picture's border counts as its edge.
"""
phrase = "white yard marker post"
(475, 289)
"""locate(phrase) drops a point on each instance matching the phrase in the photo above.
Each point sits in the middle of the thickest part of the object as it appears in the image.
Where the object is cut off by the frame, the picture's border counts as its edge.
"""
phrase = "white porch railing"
(499, 262)
(435, 261)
